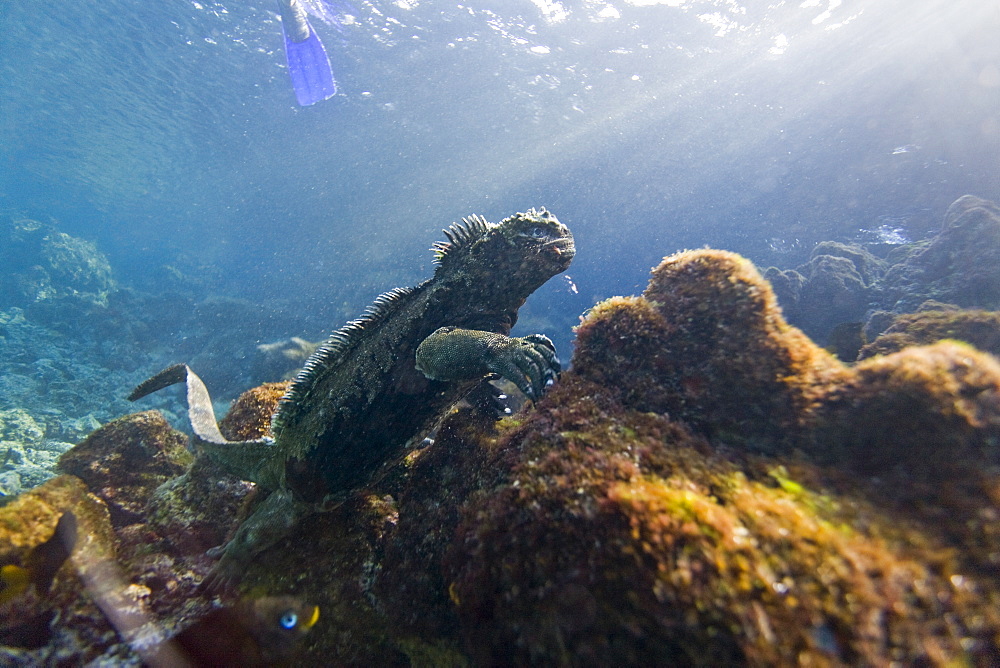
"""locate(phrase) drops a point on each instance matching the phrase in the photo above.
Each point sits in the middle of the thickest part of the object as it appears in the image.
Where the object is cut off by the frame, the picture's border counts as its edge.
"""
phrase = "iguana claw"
(451, 353)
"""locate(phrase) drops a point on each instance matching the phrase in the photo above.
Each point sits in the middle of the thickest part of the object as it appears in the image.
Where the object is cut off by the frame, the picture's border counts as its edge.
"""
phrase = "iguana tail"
(253, 460)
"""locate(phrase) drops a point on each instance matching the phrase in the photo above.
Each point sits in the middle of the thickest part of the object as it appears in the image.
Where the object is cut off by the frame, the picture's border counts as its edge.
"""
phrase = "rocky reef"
(626, 536)
(934, 321)
(42, 263)
(845, 289)
(704, 486)
(837, 285)
(72, 337)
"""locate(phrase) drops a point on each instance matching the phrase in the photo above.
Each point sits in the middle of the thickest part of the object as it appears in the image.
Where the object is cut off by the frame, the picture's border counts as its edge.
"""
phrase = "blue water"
(168, 133)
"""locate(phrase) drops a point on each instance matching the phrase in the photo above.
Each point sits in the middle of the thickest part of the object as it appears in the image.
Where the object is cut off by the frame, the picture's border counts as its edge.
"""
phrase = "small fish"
(253, 632)
(40, 565)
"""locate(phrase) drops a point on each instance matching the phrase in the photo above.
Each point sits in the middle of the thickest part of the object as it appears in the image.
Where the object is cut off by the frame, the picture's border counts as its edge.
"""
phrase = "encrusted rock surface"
(124, 462)
(705, 486)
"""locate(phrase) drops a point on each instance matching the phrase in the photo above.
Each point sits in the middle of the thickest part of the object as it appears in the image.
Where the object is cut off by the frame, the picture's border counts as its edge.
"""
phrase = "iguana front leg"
(451, 353)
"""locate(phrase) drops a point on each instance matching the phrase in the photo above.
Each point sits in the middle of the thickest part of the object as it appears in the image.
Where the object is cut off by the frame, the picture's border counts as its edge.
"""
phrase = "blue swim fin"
(309, 68)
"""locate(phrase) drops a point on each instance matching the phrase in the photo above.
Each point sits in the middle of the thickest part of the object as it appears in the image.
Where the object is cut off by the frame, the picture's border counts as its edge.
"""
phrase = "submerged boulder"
(973, 326)
(844, 283)
(961, 265)
(47, 622)
(124, 461)
(837, 285)
(41, 263)
(624, 536)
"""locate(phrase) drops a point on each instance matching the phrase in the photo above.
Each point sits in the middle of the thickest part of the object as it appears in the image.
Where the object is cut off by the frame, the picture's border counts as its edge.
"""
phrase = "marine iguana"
(370, 393)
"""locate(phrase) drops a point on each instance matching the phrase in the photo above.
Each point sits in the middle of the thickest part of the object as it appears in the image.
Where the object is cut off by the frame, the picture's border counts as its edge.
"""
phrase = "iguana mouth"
(563, 246)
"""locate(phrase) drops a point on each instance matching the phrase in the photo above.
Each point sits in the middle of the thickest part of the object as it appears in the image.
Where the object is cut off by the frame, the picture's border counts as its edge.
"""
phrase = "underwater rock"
(622, 536)
(42, 263)
(10, 484)
(787, 285)
(710, 348)
(833, 293)
(76, 268)
(623, 539)
(845, 283)
(868, 267)
(706, 485)
(931, 410)
(961, 265)
(61, 378)
(197, 510)
(251, 413)
(629, 520)
(282, 359)
(36, 627)
(17, 425)
(32, 465)
(834, 287)
(976, 327)
(124, 461)
(25, 454)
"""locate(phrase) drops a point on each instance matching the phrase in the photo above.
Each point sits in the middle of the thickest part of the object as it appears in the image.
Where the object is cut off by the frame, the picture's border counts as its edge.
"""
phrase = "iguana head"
(505, 262)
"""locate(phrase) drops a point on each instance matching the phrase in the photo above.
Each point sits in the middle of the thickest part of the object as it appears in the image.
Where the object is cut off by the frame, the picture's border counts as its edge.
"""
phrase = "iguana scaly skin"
(377, 386)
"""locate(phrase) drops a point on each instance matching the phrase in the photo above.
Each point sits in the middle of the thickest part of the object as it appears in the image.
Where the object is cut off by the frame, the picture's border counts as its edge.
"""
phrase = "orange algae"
(30, 620)
(124, 461)
(707, 345)
(250, 415)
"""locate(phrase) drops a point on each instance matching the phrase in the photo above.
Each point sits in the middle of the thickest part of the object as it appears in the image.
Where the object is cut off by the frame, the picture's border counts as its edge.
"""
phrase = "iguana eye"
(536, 232)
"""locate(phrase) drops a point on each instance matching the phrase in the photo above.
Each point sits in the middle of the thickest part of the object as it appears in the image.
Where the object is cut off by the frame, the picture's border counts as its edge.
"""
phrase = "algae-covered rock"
(623, 539)
(196, 511)
(976, 327)
(868, 267)
(30, 465)
(36, 627)
(961, 265)
(41, 263)
(25, 454)
(691, 492)
(705, 486)
(75, 267)
(728, 362)
(835, 292)
(17, 425)
(835, 286)
(251, 413)
(844, 283)
(623, 536)
(124, 461)
(931, 410)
